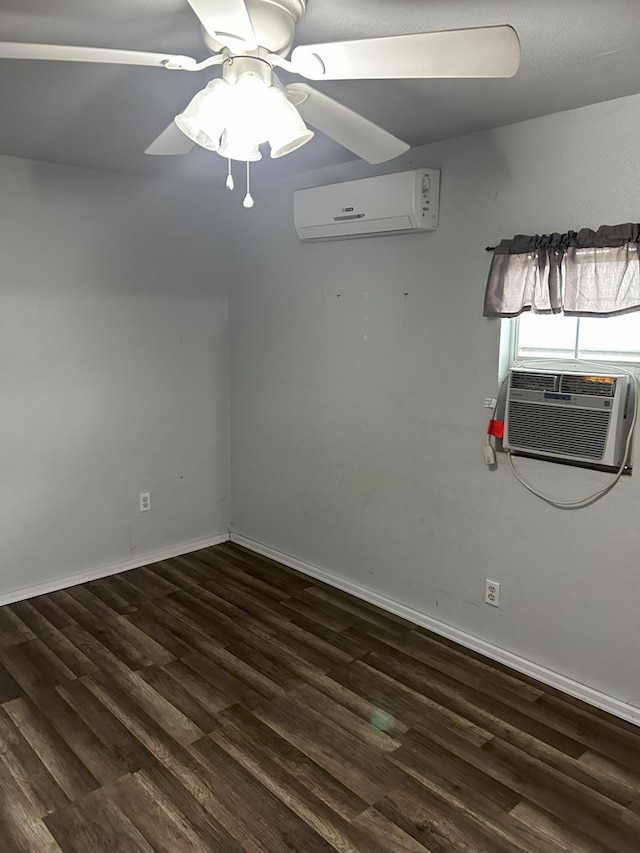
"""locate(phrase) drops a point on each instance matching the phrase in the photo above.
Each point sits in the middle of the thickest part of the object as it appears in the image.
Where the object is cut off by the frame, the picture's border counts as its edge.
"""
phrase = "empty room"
(319, 343)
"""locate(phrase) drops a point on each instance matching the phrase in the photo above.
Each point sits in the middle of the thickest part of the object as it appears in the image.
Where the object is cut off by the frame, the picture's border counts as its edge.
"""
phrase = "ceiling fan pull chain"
(230, 184)
(248, 199)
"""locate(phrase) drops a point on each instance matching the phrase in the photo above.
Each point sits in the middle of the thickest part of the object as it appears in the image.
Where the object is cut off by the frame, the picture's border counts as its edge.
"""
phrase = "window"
(547, 336)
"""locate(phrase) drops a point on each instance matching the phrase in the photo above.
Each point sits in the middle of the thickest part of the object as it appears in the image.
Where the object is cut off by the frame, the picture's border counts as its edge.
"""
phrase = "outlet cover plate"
(492, 592)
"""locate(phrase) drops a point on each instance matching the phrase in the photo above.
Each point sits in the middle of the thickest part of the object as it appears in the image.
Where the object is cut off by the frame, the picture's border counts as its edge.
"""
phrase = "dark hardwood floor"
(219, 702)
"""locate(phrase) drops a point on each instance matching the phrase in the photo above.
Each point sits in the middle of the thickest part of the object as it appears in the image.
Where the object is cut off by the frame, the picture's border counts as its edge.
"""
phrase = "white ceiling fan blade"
(477, 52)
(225, 17)
(350, 129)
(69, 53)
(171, 141)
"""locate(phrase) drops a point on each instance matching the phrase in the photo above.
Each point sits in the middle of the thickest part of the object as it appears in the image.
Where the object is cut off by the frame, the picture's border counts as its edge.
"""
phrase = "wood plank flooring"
(220, 702)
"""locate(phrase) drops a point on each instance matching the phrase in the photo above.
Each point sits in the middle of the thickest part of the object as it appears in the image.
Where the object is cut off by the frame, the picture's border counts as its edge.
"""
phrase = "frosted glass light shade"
(205, 117)
(287, 129)
(249, 114)
(234, 148)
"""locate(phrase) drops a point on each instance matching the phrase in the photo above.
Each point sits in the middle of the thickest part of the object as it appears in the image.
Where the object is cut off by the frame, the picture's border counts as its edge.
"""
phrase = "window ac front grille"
(572, 416)
(561, 430)
(534, 381)
(594, 386)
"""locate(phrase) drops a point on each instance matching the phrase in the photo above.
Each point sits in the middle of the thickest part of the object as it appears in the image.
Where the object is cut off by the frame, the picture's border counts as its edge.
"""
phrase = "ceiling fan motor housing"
(274, 23)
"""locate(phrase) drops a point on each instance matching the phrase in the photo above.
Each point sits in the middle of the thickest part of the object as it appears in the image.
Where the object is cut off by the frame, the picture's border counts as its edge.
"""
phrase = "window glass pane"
(610, 337)
(546, 335)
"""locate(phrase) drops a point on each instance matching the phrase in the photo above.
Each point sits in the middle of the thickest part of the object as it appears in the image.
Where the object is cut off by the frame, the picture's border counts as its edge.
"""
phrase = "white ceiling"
(574, 52)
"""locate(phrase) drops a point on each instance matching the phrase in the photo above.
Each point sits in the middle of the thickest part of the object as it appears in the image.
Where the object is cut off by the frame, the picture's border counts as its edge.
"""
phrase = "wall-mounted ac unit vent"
(572, 416)
(399, 203)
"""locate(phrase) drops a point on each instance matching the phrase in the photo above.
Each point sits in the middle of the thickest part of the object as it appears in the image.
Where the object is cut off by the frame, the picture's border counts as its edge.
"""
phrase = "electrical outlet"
(492, 592)
(145, 501)
(490, 402)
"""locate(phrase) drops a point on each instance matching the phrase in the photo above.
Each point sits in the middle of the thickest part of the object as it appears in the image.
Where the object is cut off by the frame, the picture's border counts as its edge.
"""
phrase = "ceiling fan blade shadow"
(171, 141)
(222, 17)
(476, 52)
(70, 53)
(353, 131)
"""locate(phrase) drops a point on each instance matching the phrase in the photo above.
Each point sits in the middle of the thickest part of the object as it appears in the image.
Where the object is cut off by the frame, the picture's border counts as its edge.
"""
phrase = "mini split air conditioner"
(578, 417)
(387, 204)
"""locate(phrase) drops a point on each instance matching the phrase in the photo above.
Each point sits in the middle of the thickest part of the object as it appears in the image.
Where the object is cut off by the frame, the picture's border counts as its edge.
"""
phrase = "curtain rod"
(490, 248)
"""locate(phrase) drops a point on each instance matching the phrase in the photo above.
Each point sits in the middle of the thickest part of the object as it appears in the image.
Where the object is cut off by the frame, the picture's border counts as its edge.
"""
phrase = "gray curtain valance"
(581, 273)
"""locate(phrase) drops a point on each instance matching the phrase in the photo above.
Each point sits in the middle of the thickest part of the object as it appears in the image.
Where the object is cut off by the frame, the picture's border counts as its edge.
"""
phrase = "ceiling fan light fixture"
(204, 118)
(288, 131)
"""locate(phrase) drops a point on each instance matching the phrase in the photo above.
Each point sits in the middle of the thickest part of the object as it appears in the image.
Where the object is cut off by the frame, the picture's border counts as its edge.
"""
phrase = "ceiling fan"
(248, 105)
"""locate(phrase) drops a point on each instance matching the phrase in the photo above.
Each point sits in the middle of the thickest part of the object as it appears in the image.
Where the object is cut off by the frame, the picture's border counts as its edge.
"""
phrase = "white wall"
(113, 370)
(358, 372)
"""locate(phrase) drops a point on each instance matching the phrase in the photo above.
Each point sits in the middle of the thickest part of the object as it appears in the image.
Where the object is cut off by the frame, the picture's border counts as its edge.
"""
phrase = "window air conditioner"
(579, 417)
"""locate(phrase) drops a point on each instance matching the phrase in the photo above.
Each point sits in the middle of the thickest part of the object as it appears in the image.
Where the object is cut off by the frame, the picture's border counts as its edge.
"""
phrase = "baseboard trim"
(587, 694)
(112, 569)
